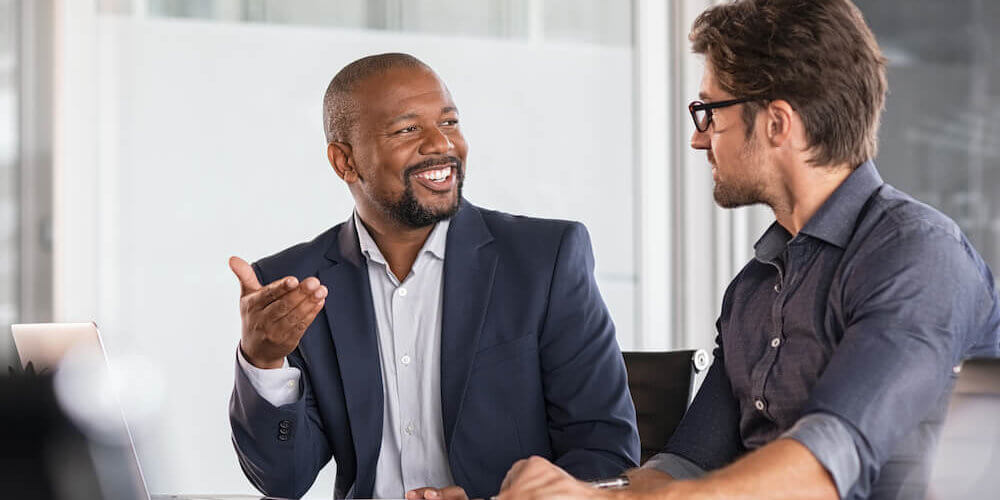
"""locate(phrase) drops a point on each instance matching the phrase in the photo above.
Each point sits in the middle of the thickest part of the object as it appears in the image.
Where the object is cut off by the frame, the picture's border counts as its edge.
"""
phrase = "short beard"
(408, 211)
(741, 194)
(729, 196)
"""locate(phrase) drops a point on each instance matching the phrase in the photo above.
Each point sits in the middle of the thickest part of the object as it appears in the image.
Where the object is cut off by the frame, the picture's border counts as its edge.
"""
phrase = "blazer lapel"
(351, 317)
(469, 266)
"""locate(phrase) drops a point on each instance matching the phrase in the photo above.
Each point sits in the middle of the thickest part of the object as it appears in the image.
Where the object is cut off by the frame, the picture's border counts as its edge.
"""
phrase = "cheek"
(461, 147)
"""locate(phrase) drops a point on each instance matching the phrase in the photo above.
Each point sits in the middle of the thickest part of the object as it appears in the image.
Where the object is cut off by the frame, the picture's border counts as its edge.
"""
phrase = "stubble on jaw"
(409, 212)
(747, 188)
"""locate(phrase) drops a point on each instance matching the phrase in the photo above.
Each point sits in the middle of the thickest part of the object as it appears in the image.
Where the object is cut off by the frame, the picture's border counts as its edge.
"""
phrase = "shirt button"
(775, 342)
(405, 360)
(759, 405)
(290, 384)
(409, 428)
(402, 292)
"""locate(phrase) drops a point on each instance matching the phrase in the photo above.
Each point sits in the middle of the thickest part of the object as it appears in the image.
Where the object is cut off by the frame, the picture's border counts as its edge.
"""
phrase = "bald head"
(340, 108)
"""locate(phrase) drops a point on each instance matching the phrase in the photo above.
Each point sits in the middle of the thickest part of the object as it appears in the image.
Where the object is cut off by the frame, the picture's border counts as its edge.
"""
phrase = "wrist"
(263, 364)
(690, 490)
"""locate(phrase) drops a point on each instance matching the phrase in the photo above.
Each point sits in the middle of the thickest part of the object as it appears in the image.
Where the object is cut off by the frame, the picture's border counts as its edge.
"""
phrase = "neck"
(399, 244)
(806, 187)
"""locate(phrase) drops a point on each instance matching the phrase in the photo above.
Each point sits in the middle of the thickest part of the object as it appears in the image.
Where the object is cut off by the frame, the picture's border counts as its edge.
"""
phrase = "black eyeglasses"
(701, 112)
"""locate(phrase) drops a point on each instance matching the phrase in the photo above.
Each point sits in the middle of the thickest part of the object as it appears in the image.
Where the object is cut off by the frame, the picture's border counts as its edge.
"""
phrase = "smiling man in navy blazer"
(425, 344)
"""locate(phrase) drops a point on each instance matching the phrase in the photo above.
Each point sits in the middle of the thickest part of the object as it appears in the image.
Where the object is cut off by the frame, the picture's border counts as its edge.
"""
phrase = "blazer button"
(284, 424)
(282, 437)
(283, 430)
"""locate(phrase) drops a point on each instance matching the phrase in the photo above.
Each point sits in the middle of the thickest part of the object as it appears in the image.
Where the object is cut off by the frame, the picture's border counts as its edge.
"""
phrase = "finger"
(283, 306)
(532, 474)
(244, 273)
(273, 291)
(295, 323)
(453, 493)
(419, 493)
(309, 291)
(512, 474)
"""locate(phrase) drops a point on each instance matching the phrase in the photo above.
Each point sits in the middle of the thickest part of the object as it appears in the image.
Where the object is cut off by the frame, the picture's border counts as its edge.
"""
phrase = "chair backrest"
(967, 460)
(661, 386)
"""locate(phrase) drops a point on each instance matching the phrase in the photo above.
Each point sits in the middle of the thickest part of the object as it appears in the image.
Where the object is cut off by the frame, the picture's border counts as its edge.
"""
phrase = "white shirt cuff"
(278, 386)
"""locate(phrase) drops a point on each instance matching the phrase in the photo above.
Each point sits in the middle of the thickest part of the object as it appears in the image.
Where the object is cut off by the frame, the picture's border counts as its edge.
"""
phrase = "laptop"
(45, 346)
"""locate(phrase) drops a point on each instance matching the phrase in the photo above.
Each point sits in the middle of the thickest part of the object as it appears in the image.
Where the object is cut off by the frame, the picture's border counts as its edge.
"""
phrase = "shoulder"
(521, 234)
(896, 222)
(896, 214)
(899, 232)
(301, 260)
(520, 227)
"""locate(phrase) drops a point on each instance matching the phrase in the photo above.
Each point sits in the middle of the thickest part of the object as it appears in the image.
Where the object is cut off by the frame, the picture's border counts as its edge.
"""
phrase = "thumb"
(244, 273)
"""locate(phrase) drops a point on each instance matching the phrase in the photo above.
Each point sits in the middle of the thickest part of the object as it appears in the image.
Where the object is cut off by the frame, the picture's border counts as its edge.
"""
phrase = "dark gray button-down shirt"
(862, 316)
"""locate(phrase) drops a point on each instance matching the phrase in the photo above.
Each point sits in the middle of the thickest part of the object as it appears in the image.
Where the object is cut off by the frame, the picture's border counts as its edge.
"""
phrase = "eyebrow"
(703, 96)
(411, 115)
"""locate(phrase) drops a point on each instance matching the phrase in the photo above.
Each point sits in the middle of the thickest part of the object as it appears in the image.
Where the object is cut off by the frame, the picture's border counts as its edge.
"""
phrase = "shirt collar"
(836, 219)
(772, 243)
(435, 244)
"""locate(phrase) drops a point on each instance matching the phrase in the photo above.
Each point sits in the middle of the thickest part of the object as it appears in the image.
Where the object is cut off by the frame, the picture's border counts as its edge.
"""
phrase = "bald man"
(425, 344)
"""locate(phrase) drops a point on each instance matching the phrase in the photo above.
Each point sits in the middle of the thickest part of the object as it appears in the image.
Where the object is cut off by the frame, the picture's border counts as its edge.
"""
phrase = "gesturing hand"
(274, 316)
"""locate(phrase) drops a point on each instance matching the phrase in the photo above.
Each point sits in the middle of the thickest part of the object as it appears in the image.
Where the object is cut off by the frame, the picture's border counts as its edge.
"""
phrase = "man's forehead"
(401, 83)
(395, 93)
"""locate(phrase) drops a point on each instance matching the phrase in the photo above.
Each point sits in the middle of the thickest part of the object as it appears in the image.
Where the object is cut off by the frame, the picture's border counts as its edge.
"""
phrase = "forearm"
(784, 469)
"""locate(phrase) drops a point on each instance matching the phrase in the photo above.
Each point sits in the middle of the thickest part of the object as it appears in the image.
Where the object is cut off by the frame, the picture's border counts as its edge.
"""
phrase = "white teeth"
(436, 175)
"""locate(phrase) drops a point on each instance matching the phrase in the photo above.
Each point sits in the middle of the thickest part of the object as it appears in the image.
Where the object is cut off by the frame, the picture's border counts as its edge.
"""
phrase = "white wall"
(184, 142)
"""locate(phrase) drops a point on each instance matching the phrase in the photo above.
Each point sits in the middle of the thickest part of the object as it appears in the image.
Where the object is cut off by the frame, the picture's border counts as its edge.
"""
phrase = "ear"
(780, 117)
(342, 160)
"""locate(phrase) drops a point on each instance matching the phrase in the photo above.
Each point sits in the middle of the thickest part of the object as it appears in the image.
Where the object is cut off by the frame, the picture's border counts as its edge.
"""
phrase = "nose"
(701, 140)
(435, 142)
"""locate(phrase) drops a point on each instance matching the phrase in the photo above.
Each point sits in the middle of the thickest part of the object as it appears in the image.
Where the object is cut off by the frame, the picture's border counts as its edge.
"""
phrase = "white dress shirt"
(408, 320)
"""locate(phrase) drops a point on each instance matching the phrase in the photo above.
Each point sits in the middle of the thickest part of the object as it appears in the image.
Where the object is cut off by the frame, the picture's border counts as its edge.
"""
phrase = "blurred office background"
(143, 142)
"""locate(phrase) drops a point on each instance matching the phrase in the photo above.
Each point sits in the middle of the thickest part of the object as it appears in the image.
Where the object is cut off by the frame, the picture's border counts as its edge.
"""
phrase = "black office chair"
(967, 461)
(661, 385)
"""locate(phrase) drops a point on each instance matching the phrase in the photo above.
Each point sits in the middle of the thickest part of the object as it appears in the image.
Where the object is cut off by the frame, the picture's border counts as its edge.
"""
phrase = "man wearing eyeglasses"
(837, 343)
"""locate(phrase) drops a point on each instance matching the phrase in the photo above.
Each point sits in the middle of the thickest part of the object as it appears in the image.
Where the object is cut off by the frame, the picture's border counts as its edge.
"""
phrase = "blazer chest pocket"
(506, 351)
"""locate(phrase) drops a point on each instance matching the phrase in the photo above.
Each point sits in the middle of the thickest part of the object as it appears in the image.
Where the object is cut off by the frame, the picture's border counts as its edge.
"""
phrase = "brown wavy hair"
(819, 55)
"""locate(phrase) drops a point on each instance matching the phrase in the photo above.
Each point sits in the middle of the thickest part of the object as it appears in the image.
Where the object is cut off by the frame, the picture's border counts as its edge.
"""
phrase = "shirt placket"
(790, 269)
(405, 318)
(758, 376)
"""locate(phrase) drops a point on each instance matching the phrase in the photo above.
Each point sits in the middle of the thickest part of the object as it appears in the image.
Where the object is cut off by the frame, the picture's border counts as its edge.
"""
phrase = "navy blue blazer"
(529, 363)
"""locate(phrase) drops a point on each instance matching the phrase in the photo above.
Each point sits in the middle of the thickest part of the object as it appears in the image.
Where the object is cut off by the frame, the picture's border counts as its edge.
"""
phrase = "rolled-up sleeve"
(914, 304)
(831, 442)
(677, 466)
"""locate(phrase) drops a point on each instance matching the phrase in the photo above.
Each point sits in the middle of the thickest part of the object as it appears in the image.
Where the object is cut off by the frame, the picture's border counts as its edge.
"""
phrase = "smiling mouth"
(440, 178)
(438, 175)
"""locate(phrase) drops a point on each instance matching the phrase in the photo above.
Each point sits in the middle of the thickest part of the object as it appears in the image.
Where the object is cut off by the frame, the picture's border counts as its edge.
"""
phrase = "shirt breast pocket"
(506, 352)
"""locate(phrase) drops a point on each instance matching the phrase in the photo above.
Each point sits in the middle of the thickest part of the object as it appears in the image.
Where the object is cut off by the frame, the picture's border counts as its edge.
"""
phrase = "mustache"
(433, 162)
